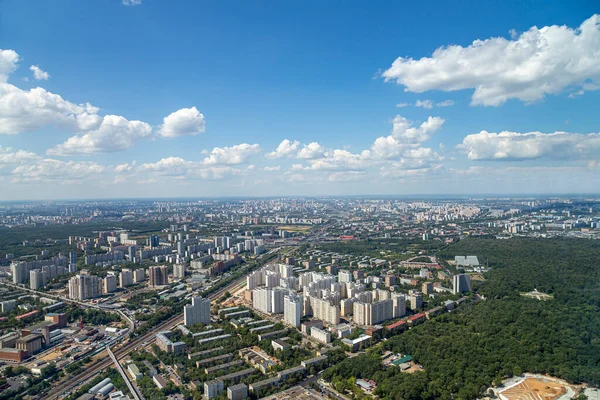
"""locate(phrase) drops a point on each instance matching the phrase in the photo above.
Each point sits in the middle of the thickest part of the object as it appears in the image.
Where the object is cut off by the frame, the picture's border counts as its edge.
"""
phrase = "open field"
(294, 228)
(536, 388)
(534, 294)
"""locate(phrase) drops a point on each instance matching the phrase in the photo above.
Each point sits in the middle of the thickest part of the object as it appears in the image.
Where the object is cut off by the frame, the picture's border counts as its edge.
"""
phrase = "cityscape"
(285, 200)
(143, 299)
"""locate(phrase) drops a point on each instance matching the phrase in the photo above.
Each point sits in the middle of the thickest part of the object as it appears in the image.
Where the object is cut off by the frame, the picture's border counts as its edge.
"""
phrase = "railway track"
(100, 365)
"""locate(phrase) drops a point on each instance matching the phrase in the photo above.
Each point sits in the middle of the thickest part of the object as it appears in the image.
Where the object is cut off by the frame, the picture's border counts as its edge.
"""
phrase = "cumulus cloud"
(402, 105)
(39, 74)
(8, 156)
(50, 170)
(272, 169)
(123, 168)
(8, 63)
(29, 110)
(529, 146)
(341, 160)
(286, 148)
(132, 2)
(403, 129)
(179, 168)
(311, 151)
(237, 154)
(183, 122)
(24, 111)
(424, 103)
(115, 133)
(527, 67)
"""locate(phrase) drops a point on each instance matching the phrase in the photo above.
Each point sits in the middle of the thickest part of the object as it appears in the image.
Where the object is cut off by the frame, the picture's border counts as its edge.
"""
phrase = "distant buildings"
(325, 311)
(344, 276)
(198, 312)
(416, 300)
(461, 283)
(270, 301)
(37, 279)
(109, 284)
(83, 286)
(292, 309)
(179, 271)
(158, 275)
(164, 343)
(466, 261)
(139, 275)
(321, 335)
(126, 278)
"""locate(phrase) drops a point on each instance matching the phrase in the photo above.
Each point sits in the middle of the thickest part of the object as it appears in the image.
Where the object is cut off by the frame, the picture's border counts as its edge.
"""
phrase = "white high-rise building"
(399, 305)
(139, 275)
(373, 313)
(82, 287)
(19, 272)
(37, 279)
(272, 279)
(325, 311)
(268, 300)
(109, 284)
(198, 312)
(179, 271)
(292, 309)
(344, 276)
(126, 278)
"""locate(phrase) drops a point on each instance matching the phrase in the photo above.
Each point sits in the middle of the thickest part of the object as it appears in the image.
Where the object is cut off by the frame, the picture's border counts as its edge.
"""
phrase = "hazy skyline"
(150, 99)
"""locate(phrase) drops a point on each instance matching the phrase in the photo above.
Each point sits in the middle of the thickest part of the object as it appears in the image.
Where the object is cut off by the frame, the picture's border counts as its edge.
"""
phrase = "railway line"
(120, 352)
(100, 365)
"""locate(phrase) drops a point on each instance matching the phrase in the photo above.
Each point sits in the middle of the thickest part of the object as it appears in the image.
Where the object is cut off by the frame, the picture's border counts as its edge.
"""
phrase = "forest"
(484, 342)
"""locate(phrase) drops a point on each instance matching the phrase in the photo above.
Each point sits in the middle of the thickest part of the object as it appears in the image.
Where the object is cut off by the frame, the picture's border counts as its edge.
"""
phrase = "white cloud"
(402, 105)
(237, 154)
(123, 168)
(132, 2)
(272, 169)
(338, 159)
(183, 122)
(24, 111)
(445, 103)
(50, 170)
(39, 74)
(179, 168)
(537, 62)
(8, 63)
(532, 145)
(403, 129)
(286, 148)
(424, 103)
(311, 151)
(10, 157)
(115, 133)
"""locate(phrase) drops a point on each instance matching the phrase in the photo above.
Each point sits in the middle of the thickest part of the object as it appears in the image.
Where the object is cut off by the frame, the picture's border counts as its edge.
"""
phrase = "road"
(132, 389)
(96, 367)
(93, 369)
(128, 320)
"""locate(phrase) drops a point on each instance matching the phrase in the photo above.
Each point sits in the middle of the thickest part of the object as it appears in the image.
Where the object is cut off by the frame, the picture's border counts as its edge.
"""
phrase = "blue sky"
(248, 75)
